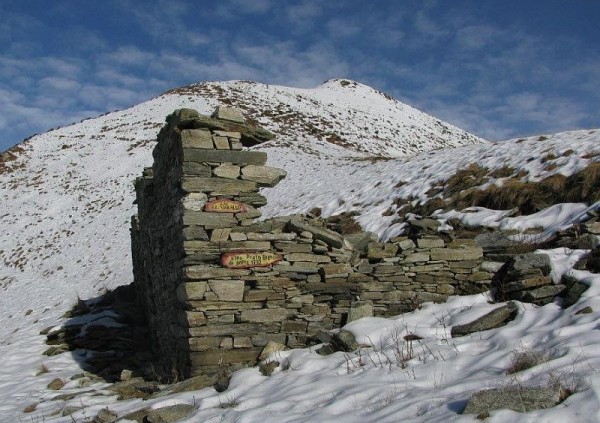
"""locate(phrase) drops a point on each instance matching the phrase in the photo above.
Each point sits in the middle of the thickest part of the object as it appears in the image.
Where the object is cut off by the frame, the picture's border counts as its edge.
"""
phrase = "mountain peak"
(340, 112)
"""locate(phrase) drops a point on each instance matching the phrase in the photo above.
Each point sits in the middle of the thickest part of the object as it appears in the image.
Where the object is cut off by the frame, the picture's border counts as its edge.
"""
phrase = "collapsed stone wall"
(218, 285)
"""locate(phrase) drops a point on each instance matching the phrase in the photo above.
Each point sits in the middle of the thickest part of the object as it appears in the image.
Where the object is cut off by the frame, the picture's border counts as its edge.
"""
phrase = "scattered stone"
(525, 262)
(326, 349)
(137, 416)
(540, 296)
(268, 368)
(593, 227)
(126, 375)
(194, 383)
(136, 387)
(170, 414)
(572, 295)
(271, 348)
(30, 408)
(344, 341)
(106, 415)
(526, 277)
(593, 261)
(56, 350)
(56, 384)
(494, 319)
(585, 310)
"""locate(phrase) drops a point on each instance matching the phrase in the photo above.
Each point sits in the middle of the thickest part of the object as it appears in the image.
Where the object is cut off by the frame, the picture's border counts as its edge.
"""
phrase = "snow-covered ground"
(65, 210)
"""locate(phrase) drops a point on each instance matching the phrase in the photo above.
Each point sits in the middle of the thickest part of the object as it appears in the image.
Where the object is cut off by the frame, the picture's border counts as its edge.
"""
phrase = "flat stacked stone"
(218, 285)
(526, 278)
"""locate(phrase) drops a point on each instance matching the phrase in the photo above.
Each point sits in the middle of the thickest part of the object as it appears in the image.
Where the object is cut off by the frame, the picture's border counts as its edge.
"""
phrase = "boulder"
(268, 368)
(516, 398)
(526, 277)
(525, 262)
(494, 319)
(270, 348)
(170, 413)
(105, 415)
(593, 261)
(194, 383)
(573, 292)
(344, 341)
(56, 384)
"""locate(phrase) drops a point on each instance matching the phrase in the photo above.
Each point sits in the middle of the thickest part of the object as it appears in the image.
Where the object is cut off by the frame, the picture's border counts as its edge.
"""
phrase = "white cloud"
(343, 28)
(475, 37)
(254, 6)
(59, 84)
(426, 26)
(302, 15)
(127, 56)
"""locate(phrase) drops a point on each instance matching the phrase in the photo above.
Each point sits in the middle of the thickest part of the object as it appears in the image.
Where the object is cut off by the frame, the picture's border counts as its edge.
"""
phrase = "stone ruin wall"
(217, 284)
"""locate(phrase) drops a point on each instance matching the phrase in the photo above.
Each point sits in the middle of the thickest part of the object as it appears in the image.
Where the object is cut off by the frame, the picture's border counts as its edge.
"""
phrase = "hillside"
(67, 199)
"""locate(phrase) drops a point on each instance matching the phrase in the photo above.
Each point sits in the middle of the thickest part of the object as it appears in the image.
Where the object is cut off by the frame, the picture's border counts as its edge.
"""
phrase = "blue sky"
(496, 68)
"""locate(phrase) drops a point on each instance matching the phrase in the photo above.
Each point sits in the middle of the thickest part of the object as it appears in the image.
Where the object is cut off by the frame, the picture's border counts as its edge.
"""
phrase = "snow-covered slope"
(67, 199)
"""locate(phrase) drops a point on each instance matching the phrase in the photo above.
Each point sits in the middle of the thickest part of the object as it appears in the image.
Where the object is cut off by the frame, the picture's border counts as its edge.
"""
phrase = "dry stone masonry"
(218, 285)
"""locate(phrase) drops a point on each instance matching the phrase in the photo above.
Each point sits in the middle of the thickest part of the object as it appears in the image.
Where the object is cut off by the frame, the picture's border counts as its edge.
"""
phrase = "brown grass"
(469, 177)
(523, 360)
(590, 155)
(531, 197)
(502, 172)
(461, 191)
(344, 223)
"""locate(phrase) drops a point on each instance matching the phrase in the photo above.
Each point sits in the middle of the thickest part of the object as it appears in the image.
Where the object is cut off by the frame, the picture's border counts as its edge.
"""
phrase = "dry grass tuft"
(531, 197)
(461, 190)
(502, 172)
(523, 360)
(344, 223)
(469, 177)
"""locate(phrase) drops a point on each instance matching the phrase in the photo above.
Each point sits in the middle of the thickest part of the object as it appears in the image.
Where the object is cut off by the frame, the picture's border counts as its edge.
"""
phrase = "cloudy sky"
(496, 68)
